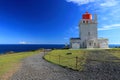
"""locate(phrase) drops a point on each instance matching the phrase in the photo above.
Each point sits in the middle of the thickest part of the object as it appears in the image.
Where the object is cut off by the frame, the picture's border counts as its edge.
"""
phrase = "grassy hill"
(77, 59)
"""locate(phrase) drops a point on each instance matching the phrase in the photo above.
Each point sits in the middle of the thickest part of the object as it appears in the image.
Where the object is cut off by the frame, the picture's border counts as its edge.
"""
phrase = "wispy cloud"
(80, 2)
(23, 42)
(109, 3)
(109, 27)
(103, 3)
(99, 6)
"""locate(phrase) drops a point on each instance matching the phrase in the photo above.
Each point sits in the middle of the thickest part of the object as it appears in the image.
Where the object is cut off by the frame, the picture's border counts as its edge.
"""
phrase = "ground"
(10, 62)
(36, 68)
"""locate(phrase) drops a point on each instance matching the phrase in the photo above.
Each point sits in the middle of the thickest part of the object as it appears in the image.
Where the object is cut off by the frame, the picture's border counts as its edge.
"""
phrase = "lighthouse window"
(86, 21)
(88, 33)
(83, 21)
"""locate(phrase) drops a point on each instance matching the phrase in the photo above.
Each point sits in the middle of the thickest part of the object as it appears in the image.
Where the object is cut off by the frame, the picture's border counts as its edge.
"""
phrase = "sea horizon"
(4, 48)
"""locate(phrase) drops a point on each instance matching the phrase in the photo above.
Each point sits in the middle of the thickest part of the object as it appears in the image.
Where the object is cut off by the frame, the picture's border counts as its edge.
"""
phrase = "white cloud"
(101, 3)
(80, 2)
(109, 3)
(109, 27)
(23, 42)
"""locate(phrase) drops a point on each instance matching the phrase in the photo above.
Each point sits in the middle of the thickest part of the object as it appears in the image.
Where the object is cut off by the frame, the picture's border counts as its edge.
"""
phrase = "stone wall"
(88, 31)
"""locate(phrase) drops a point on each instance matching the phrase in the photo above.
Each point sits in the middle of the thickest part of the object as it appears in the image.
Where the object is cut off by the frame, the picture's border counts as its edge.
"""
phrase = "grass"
(60, 57)
(8, 61)
(115, 52)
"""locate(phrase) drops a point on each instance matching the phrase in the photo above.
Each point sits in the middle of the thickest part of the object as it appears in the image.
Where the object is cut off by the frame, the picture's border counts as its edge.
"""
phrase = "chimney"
(95, 17)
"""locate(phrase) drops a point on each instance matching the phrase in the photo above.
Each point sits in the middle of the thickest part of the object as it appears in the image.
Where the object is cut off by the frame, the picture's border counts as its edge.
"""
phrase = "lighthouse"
(88, 34)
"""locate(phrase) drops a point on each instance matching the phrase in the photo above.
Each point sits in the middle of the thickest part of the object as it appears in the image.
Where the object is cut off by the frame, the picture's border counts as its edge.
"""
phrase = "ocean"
(4, 48)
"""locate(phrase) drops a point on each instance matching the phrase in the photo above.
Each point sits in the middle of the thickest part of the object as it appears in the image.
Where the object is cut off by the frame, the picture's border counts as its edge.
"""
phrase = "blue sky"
(55, 21)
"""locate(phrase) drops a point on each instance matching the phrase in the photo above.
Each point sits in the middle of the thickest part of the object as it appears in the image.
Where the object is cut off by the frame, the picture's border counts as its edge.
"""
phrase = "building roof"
(87, 16)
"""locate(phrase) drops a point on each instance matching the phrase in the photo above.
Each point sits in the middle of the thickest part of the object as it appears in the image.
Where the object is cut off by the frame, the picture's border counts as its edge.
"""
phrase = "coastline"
(5, 48)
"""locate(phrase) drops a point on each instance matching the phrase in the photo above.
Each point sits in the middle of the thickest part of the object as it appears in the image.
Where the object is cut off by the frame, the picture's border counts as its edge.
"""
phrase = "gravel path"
(36, 68)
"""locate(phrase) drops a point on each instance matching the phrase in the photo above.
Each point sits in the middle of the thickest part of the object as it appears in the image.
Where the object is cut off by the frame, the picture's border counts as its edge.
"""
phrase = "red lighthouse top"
(87, 16)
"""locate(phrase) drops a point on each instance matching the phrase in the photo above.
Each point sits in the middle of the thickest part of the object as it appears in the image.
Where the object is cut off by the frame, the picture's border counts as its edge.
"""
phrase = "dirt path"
(36, 68)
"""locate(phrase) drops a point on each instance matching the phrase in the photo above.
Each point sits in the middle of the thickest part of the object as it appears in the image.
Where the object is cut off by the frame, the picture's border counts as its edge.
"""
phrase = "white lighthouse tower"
(88, 36)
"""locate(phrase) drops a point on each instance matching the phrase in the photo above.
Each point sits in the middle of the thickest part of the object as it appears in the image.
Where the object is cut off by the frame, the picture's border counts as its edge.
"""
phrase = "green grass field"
(61, 57)
(8, 61)
(115, 52)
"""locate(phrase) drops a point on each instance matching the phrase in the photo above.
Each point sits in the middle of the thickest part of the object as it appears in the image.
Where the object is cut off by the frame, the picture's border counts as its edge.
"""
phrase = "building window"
(88, 33)
(86, 21)
(94, 44)
(83, 21)
(83, 44)
(89, 44)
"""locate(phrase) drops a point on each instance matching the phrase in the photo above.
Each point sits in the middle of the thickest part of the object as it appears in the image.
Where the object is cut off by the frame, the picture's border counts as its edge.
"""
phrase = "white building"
(88, 36)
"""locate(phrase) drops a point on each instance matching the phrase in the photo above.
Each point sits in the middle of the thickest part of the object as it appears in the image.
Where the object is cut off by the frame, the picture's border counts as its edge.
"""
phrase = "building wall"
(93, 43)
(75, 43)
(103, 43)
(88, 31)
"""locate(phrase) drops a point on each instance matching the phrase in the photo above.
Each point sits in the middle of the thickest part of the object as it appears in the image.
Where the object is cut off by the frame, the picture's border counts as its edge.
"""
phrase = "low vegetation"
(68, 58)
(9, 62)
(76, 59)
(115, 52)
